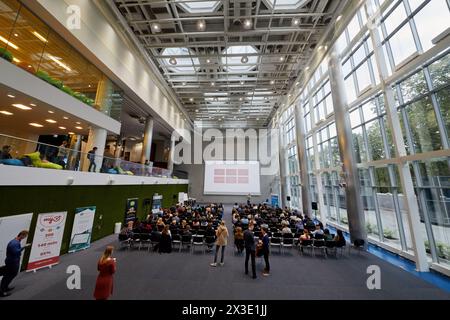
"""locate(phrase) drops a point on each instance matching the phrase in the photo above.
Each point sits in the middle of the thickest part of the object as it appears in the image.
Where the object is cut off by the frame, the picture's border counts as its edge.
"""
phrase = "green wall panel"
(109, 200)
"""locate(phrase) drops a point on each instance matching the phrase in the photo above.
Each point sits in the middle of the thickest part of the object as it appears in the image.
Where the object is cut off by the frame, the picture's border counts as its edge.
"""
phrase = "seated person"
(286, 230)
(299, 225)
(305, 235)
(187, 231)
(196, 224)
(326, 235)
(173, 226)
(239, 239)
(244, 220)
(318, 233)
(210, 233)
(5, 154)
(160, 224)
(339, 238)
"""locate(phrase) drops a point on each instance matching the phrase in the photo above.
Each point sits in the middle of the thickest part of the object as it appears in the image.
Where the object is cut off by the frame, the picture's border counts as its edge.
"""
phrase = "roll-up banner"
(82, 229)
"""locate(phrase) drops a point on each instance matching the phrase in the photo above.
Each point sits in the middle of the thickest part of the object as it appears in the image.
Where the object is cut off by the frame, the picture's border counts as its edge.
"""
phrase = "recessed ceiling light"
(16, 34)
(16, 60)
(173, 61)
(295, 21)
(320, 48)
(11, 96)
(216, 99)
(201, 25)
(12, 45)
(244, 59)
(37, 125)
(62, 128)
(272, 82)
(79, 128)
(32, 104)
(39, 36)
(156, 27)
(307, 68)
(248, 23)
(213, 84)
(281, 58)
(78, 122)
(191, 99)
(240, 99)
(196, 110)
(49, 111)
(50, 121)
(71, 133)
(184, 83)
(242, 82)
(65, 118)
(59, 63)
(6, 113)
(338, 18)
(297, 83)
(208, 61)
(21, 106)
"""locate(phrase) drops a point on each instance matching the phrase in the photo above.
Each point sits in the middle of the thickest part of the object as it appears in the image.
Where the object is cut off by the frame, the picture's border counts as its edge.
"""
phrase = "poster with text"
(274, 200)
(131, 210)
(9, 229)
(82, 229)
(47, 240)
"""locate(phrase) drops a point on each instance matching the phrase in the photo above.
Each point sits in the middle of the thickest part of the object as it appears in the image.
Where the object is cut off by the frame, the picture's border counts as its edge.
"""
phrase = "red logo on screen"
(51, 220)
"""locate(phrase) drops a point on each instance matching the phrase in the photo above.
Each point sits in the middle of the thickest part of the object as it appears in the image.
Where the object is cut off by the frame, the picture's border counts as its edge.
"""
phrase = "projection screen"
(232, 178)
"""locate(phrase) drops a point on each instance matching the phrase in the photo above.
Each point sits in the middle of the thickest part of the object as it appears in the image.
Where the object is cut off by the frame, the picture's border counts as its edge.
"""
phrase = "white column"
(148, 138)
(406, 181)
(171, 155)
(355, 212)
(97, 138)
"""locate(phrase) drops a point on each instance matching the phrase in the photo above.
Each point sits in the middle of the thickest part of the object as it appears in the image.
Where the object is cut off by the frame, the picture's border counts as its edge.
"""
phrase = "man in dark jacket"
(266, 249)
(12, 262)
(250, 249)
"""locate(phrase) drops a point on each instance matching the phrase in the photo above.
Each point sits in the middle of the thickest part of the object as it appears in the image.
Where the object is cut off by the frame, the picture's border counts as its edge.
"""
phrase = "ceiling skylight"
(234, 63)
(177, 64)
(286, 4)
(200, 6)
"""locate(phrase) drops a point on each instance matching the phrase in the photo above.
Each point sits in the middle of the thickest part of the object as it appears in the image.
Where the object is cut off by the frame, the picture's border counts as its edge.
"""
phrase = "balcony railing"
(23, 152)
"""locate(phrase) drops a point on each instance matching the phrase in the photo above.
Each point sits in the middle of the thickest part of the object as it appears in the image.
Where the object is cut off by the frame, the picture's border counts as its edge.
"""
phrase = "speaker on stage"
(288, 198)
(314, 206)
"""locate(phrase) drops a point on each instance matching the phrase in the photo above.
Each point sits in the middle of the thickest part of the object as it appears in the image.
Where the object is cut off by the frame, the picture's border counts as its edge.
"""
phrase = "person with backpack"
(91, 158)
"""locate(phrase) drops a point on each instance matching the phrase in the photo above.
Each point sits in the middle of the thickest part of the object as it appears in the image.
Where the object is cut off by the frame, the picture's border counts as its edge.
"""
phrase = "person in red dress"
(106, 267)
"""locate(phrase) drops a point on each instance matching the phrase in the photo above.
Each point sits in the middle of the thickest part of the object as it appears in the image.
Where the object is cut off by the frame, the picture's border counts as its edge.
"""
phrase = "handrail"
(74, 160)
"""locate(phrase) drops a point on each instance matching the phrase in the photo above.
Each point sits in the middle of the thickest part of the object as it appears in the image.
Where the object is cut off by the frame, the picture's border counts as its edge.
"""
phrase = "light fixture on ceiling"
(216, 99)
(184, 83)
(272, 82)
(39, 36)
(79, 128)
(208, 61)
(11, 96)
(156, 27)
(16, 60)
(191, 99)
(248, 23)
(307, 68)
(12, 45)
(295, 21)
(201, 25)
(6, 113)
(71, 133)
(58, 62)
(65, 118)
(50, 111)
(62, 128)
(16, 35)
(338, 18)
(281, 58)
(21, 106)
(173, 61)
(241, 99)
(32, 104)
(37, 125)
(196, 110)
(242, 82)
(78, 122)
(213, 84)
(51, 121)
(297, 83)
(244, 59)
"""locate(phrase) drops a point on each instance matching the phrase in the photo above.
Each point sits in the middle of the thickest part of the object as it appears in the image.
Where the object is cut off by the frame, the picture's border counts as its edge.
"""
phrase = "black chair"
(186, 240)
(197, 241)
(145, 241)
(276, 242)
(176, 240)
(358, 245)
(288, 241)
(209, 241)
(136, 240)
(125, 241)
(319, 245)
(330, 247)
(155, 238)
(306, 244)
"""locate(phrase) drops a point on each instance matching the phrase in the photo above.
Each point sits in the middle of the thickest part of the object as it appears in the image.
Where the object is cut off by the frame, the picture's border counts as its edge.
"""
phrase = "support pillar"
(355, 210)
(171, 155)
(148, 138)
(97, 138)
(300, 139)
(282, 156)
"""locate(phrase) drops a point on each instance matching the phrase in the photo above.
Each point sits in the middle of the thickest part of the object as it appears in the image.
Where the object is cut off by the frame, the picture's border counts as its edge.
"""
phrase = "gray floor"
(187, 276)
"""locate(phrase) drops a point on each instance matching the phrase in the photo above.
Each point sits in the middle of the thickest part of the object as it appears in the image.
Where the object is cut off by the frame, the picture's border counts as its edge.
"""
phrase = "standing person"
(165, 243)
(250, 249)
(222, 241)
(91, 157)
(107, 267)
(12, 262)
(265, 250)
(63, 153)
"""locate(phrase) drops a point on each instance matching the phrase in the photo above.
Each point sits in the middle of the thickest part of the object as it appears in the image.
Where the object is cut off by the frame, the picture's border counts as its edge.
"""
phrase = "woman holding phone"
(106, 267)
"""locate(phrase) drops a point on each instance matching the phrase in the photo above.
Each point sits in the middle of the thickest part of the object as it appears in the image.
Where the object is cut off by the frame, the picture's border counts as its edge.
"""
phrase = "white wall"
(101, 44)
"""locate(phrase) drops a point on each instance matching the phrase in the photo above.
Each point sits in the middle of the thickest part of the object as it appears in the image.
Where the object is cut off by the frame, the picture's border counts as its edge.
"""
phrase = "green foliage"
(443, 250)
(59, 84)
(5, 54)
(344, 220)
